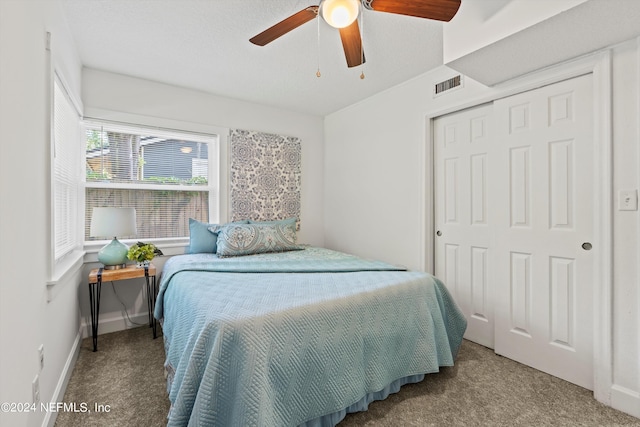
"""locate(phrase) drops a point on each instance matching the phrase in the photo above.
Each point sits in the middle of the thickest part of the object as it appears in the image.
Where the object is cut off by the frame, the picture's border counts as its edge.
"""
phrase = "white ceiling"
(204, 45)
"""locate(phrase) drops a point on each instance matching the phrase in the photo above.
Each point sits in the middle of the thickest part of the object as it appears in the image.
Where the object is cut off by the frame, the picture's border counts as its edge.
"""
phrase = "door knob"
(587, 246)
(439, 233)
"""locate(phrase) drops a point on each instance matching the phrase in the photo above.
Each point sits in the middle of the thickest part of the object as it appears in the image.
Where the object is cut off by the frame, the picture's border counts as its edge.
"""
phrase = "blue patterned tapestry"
(264, 176)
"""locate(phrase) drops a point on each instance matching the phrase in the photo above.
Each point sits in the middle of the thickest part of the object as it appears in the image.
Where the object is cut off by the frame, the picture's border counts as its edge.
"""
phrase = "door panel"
(462, 184)
(544, 151)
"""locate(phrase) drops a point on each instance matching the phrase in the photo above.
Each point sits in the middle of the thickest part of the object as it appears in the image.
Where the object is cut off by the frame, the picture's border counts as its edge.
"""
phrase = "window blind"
(167, 176)
(67, 137)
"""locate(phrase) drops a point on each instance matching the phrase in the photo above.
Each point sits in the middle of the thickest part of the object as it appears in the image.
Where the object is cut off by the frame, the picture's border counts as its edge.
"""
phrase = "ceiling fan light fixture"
(340, 13)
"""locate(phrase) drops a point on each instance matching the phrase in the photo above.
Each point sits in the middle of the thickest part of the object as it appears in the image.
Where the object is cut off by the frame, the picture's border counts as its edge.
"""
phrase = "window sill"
(169, 247)
(62, 272)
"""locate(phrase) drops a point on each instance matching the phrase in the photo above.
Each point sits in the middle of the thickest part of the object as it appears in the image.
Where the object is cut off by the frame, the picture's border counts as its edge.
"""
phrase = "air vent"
(447, 85)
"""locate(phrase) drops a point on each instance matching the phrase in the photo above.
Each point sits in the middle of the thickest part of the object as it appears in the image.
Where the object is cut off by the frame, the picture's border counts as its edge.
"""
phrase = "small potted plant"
(143, 253)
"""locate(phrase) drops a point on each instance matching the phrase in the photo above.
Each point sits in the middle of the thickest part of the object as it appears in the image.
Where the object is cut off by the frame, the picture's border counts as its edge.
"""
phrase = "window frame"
(214, 136)
(60, 266)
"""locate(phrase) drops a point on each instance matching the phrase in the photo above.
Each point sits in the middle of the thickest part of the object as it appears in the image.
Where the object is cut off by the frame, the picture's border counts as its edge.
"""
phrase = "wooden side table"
(99, 275)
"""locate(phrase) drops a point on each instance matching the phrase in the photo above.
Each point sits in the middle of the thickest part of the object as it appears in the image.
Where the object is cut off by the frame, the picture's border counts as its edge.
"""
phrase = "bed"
(298, 338)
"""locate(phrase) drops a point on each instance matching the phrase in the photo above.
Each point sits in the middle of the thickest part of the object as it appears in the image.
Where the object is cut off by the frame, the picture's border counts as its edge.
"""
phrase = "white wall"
(375, 174)
(117, 97)
(626, 226)
(27, 320)
(105, 92)
(374, 154)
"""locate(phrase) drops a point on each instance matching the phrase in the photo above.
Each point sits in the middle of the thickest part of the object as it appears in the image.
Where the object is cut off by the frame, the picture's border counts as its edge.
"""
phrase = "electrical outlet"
(35, 389)
(41, 356)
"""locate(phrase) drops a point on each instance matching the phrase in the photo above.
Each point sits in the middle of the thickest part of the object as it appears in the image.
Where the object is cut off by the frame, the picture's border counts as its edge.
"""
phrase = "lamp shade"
(340, 13)
(113, 222)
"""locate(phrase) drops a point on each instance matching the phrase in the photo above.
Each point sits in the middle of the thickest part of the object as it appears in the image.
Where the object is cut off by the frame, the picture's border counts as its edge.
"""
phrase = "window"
(167, 176)
(66, 166)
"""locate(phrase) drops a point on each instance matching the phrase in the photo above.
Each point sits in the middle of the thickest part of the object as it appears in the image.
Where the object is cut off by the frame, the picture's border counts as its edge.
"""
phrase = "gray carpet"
(483, 389)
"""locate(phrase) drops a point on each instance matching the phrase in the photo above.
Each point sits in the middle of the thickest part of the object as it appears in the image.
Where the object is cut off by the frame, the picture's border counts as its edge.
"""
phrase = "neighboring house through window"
(167, 176)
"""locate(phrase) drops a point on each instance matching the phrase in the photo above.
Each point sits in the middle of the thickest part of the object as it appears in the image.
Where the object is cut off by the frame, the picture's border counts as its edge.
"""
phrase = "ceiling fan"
(343, 14)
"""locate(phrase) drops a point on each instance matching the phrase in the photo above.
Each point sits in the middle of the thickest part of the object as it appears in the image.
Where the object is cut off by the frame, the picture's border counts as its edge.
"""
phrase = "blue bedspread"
(281, 339)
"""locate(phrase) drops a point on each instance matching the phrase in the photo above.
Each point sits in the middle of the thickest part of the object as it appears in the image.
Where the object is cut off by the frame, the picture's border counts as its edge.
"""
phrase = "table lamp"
(113, 222)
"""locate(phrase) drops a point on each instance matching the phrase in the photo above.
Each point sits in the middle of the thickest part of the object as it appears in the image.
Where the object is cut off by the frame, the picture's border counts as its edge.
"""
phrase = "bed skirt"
(331, 420)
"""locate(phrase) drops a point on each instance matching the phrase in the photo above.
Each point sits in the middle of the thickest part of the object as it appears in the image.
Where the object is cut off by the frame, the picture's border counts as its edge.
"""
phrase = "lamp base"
(114, 255)
(115, 267)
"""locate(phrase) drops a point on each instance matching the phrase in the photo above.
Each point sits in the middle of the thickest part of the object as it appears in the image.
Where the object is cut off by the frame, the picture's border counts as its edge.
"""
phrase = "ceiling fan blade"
(352, 44)
(440, 10)
(284, 26)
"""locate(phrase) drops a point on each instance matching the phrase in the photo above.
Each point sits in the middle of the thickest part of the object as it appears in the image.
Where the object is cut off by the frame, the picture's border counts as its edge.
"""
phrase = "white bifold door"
(514, 224)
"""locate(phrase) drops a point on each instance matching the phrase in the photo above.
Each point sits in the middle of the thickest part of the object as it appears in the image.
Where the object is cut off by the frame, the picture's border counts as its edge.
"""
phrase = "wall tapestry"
(264, 176)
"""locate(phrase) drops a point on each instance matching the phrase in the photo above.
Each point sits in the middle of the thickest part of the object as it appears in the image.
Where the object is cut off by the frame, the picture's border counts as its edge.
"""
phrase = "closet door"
(462, 215)
(543, 227)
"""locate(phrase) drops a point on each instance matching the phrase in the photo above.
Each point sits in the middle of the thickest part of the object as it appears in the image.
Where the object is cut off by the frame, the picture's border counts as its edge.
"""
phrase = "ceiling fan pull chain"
(318, 72)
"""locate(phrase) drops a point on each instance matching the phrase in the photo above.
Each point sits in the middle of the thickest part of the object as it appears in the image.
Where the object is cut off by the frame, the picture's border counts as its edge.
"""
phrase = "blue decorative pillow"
(201, 240)
(249, 239)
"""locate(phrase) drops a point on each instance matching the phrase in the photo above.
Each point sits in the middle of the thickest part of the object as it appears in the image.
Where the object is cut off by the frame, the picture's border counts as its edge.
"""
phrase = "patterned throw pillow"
(201, 240)
(248, 239)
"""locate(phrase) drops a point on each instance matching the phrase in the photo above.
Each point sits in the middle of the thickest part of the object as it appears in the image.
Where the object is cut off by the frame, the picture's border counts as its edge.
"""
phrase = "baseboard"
(625, 400)
(63, 381)
(115, 323)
